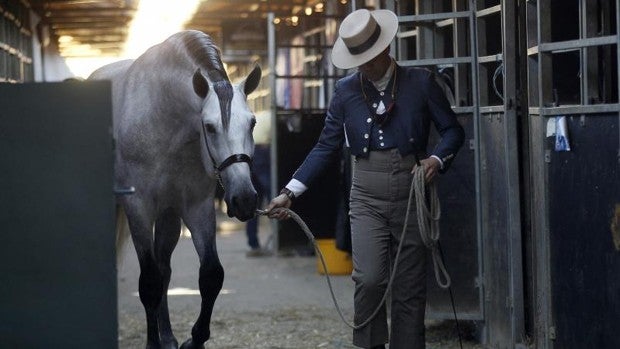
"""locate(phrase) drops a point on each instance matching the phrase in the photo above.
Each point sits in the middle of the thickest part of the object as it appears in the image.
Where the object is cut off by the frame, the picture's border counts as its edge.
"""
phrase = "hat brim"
(343, 59)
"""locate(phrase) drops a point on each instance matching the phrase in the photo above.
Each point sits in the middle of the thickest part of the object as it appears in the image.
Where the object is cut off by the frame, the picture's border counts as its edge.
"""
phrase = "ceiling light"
(308, 11)
(65, 39)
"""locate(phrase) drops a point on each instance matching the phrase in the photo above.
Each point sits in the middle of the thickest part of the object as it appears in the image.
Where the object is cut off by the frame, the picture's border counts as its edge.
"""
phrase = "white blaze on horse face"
(244, 117)
(222, 143)
(237, 139)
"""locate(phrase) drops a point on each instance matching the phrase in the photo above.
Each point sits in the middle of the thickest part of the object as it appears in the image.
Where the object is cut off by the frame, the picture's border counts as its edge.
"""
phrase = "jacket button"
(374, 105)
(381, 93)
(380, 131)
(411, 140)
(380, 138)
(365, 150)
(366, 136)
(382, 144)
(369, 120)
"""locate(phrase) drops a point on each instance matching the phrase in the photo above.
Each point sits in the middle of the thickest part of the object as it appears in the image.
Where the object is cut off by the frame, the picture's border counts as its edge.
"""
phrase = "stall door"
(57, 255)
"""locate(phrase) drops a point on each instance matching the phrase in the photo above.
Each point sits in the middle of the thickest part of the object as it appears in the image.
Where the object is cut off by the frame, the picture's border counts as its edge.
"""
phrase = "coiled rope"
(428, 220)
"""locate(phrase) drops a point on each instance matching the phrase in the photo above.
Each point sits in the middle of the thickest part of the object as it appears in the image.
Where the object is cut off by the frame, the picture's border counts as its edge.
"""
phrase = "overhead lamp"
(276, 20)
(308, 11)
(344, 2)
(63, 39)
(319, 7)
(295, 20)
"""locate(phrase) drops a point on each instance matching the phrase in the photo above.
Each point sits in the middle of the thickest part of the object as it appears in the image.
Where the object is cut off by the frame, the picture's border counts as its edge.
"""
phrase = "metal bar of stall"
(511, 155)
(435, 61)
(307, 76)
(491, 58)
(431, 17)
(545, 330)
(585, 110)
(460, 49)
(583, 54)
(489, 11)
(477, 160)
(271, 48)
(618, 66)
(568, 45)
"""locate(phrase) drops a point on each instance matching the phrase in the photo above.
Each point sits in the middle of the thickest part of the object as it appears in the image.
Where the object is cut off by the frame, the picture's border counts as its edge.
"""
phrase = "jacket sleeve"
(329, 145)
(448, 127)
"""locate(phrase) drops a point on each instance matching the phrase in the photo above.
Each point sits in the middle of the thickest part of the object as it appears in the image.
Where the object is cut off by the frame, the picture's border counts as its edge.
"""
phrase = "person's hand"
(431, 167)
(280, 201)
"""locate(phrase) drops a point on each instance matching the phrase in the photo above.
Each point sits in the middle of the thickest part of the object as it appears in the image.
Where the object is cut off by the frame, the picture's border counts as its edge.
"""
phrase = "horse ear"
(251, 82)
(201, 87)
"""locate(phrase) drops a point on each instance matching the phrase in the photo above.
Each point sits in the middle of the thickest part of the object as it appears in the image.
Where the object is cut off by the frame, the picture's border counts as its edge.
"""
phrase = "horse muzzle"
(242, 205)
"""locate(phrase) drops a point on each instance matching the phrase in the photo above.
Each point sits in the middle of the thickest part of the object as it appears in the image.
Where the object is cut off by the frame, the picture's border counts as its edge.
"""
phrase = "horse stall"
(57, 257)
(573, 255)
(535, 84)
(303, 82)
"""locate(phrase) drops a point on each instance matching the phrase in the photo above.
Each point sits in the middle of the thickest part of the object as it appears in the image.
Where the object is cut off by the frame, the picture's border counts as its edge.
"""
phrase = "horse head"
(227, 123)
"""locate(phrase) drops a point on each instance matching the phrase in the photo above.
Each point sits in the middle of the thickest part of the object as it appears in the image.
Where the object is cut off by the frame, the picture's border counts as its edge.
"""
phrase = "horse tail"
(122, 232)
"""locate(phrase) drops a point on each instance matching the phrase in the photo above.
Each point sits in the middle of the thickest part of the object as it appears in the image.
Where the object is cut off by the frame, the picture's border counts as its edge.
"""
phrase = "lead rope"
(428, 220)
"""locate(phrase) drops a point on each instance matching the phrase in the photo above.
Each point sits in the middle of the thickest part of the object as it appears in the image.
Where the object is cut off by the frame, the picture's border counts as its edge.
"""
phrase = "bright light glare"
(154, 21)
(184, 291)
(65, 39)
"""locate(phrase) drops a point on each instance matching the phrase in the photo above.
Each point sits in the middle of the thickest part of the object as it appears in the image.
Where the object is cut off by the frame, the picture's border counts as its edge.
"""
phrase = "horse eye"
(210, 128)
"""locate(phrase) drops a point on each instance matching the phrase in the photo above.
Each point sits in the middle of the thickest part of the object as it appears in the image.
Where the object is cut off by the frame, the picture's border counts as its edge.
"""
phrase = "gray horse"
(178, 132)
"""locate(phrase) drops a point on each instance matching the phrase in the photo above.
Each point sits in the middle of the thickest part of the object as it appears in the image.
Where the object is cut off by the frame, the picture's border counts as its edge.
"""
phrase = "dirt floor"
(268, 302)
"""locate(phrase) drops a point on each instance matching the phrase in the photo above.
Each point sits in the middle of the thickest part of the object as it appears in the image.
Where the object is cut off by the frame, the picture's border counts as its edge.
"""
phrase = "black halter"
(234, 158)
(231, 160)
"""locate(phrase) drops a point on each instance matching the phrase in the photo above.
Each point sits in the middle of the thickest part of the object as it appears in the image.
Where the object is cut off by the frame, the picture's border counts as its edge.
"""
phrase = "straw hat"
(362, 36)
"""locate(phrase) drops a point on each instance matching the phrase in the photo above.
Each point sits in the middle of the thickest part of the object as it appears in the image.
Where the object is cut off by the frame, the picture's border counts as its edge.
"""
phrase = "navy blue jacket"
(419, 100)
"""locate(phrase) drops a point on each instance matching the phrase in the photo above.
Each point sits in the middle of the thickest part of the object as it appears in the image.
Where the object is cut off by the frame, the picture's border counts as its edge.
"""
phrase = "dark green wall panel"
(57, 256)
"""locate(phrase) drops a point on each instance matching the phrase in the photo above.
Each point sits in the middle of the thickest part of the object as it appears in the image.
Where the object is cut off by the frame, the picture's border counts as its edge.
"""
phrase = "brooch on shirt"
(381, 113)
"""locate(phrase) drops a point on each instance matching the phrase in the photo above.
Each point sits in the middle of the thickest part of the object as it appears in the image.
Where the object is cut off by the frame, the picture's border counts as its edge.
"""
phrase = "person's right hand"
(280, 201)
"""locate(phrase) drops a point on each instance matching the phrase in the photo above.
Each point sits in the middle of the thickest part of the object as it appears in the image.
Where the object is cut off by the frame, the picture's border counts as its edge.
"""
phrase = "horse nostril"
(235, 201)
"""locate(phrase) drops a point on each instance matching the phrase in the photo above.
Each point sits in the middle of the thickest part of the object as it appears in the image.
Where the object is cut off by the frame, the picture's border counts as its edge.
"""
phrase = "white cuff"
(438, 159)
(296, 187)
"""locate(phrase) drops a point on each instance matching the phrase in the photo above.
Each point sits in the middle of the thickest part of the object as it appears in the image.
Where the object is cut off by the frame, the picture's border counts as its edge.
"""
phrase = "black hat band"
(361, 48)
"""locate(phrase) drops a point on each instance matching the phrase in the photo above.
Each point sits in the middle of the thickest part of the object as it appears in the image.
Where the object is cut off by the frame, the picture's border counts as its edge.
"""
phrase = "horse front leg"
(200, 219)
(151, 283)
(167, 232)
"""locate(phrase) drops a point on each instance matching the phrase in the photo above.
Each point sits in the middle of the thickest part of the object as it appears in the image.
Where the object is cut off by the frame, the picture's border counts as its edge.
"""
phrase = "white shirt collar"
(382, 83)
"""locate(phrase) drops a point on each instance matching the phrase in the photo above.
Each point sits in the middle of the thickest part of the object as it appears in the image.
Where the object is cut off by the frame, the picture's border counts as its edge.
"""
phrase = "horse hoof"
(189, 344)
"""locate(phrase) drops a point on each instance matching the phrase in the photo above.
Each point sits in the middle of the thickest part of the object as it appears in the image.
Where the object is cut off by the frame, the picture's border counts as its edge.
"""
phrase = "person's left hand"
(431, 168)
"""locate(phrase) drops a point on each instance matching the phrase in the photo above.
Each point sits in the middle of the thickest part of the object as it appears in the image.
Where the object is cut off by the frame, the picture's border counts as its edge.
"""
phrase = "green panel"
(57, 255)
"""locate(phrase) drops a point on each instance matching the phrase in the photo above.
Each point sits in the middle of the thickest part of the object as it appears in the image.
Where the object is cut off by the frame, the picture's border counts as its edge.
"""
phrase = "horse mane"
(203, 51)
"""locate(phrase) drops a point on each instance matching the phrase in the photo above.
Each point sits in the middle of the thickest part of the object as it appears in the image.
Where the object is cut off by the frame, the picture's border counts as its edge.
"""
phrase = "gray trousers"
(379, 193)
